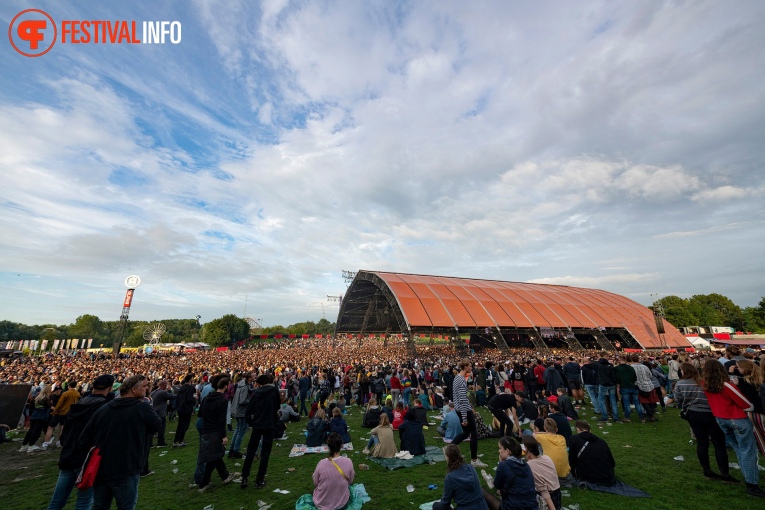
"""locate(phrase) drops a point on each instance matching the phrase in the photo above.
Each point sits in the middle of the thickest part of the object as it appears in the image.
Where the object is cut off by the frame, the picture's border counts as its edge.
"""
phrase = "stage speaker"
(659, 324)
(13, 397)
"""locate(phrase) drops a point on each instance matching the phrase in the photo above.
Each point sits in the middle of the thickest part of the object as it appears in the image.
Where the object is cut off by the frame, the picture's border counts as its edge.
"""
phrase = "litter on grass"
(680, 458)
(734, 465)
(174, 462)
(410, 488)
(281, 491)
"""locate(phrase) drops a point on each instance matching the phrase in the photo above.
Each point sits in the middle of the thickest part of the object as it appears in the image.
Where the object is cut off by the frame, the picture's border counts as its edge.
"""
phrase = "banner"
(44, 345)
(55, 344)
(90, 342)
(34, 344)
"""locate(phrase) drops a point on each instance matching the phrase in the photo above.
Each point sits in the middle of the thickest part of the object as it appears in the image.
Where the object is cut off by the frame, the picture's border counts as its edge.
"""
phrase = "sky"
(609, 145)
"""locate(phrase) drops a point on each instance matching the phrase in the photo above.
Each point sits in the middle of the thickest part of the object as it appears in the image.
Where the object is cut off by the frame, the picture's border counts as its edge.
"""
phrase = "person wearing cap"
(121, 429)
(72, 454)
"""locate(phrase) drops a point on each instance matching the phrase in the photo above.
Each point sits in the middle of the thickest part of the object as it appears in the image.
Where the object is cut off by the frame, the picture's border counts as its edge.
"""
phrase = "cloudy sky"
(613, 145)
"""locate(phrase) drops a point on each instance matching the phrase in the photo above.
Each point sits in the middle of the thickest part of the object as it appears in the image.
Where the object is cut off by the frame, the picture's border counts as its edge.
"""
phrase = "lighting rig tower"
(131, 282)
(659, 316)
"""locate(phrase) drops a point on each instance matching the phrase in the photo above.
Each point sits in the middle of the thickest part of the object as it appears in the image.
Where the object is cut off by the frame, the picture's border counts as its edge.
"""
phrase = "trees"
(225, 330)
(677, 313)
(716, 310)
(88, 326)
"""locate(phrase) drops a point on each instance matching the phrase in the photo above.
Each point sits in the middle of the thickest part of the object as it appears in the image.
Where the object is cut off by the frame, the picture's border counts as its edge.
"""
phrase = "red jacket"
(539, 371)
(729, 404)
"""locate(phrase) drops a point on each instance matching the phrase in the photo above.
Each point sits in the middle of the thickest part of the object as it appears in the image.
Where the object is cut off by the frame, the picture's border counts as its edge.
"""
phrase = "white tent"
(698, 342)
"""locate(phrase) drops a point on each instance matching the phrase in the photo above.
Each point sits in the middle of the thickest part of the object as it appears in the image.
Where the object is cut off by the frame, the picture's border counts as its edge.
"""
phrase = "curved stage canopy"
(505, 313)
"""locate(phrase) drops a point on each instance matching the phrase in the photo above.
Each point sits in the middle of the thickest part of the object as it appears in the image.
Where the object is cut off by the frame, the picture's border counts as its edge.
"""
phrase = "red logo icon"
(32, 32)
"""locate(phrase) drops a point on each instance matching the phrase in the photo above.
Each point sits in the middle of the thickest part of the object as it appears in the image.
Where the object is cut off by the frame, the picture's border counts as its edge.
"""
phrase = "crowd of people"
(94, 401)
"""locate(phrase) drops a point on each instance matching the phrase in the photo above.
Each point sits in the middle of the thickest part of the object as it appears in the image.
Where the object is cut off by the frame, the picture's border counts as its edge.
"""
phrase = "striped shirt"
(691, 396)
(459, 394)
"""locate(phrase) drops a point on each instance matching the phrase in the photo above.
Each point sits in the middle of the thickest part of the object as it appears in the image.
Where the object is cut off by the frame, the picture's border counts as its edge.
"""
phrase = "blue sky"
(599, 144)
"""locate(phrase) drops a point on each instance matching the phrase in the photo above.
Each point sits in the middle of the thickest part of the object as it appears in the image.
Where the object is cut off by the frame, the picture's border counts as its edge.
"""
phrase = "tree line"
(218, 332)
(713, 310)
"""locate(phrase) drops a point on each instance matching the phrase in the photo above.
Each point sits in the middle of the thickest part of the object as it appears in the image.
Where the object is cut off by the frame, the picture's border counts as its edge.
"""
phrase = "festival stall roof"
(741, 340)
(420, 301)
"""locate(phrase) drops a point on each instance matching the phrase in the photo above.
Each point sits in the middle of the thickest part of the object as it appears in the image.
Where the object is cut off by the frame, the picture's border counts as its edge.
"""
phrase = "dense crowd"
(264, 386)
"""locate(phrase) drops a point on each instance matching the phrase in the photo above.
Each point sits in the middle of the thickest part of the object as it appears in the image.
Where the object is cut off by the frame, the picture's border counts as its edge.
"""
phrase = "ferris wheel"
(153, 333)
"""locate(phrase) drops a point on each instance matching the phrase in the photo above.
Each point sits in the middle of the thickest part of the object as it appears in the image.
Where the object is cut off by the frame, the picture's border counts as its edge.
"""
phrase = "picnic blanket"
(359, 496)
(620, 488)
(299, 450)
(432, 454)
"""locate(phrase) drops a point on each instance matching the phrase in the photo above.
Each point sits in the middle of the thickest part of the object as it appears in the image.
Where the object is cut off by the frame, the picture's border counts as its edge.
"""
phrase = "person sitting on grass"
(338, 426)
(412, 439)
(333, 477)
(372, 415)
(545, 475)
(590, 457)
(381, 443)
(450, 427)
(566, 407)
(461, 483)
(398, 415)
(514, 480)
(317, 429)
(554, 446)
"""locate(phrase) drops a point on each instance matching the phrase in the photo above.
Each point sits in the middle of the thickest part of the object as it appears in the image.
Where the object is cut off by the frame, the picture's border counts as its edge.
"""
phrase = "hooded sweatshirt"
(72, 455)
(263, 406)
(121, 429)
(593, 462)
(462, 486)
(515, 481)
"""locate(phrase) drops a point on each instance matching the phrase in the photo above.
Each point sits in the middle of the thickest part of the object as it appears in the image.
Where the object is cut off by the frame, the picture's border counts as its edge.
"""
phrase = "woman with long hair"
(38, 420)
(461, 483)
(690, 397)
(333, 477)
(381, 443)
(729, 407)
(750, 384)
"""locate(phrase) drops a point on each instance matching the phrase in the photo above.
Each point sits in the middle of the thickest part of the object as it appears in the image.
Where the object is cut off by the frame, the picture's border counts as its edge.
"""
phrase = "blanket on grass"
(299, 450)
(620, 488)
(359, 496)
(432, 455)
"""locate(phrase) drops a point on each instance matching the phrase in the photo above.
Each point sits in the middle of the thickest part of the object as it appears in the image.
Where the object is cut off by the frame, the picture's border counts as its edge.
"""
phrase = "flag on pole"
(90, 342)
(55, 344)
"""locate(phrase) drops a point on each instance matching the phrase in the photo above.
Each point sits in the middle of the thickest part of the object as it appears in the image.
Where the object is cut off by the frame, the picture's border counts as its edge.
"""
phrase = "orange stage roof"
(442, 301)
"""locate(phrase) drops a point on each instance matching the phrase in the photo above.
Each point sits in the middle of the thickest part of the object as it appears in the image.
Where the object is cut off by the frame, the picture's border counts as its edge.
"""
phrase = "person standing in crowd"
(121, 429)
(607, 388)
(261, 416)
(545, 476)
(553, 379)
(590, 457)
(304, 387)
(333, 477)
(626, 378)
(212, 443)
(514, 480)
(573, 374)
(238, 410)
(461, 483)
(159, 399)
(590, 380)
(58, 417)
(646, 395)
(38, 420)
(185, 402)
(729, 407)
(750, 382)
(465, 410)
(691, 398)
(72, 454)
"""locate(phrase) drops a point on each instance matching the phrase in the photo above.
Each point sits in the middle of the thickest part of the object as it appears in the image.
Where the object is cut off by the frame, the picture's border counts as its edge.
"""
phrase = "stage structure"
(504, 314)
(131, 282)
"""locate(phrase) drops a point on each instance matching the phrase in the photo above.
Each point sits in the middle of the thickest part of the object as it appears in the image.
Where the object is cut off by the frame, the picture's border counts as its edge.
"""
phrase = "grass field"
(644, 454)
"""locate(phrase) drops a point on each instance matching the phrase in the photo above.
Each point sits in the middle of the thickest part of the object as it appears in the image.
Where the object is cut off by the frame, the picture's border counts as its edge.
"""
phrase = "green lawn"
(27, 480)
